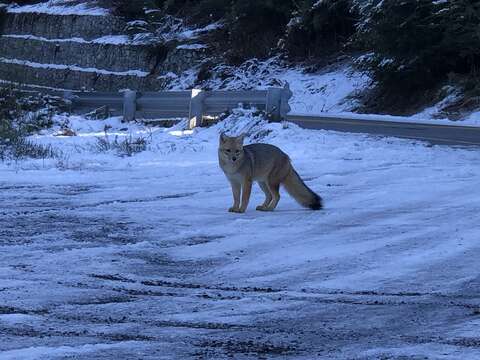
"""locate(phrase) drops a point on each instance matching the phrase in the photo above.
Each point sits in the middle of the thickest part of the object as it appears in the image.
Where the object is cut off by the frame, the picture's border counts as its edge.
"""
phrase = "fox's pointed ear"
(223, 137)
(241, 137)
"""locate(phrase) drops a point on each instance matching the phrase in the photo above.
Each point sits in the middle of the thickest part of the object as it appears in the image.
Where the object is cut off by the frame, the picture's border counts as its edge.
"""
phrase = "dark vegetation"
(3, 13)
(321, 30)
(417, 46)
(127, 146)
(21, 115)
(257, 28)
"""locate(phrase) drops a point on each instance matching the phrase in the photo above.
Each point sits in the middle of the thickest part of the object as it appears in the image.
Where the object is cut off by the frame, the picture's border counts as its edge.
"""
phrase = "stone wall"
(63, 26)
(85, 52)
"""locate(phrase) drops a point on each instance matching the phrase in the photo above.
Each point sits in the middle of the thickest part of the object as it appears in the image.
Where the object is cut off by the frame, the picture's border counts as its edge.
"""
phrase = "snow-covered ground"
(136, 257)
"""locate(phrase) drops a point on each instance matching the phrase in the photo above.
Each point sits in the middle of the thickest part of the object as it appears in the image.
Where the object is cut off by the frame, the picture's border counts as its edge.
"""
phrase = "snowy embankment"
(137, 256)
(331, 92)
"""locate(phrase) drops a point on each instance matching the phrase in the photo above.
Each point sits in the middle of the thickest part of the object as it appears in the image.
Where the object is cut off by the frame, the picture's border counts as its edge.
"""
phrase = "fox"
(266, 164)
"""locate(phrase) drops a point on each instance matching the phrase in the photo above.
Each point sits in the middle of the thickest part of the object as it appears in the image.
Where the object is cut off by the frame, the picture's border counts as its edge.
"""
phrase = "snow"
(136, 257)
(473, 118)
(185, 80)
(110, 39)
(33, 86)
(427, 351)
(59, 7)
(191, 46)
(43, 351)
(313, 93)
(174, 29)
(190, 34)
(138, 73)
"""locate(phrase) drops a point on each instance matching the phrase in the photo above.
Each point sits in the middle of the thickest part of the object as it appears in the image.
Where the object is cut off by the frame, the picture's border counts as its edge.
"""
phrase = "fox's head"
(230, 149)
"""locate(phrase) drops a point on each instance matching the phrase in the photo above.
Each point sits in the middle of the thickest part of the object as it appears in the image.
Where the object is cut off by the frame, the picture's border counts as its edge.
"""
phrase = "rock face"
(62, 26)
(85, 52)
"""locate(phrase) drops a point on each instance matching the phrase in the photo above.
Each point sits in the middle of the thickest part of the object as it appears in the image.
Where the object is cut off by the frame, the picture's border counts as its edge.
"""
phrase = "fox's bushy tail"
(305, 196)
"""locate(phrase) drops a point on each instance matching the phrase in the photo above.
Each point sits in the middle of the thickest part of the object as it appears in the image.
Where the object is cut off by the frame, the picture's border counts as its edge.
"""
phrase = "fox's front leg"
(246, 191)
(236, 190)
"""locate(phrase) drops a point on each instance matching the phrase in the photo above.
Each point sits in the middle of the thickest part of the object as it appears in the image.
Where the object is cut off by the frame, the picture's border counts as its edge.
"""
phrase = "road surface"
(432, 133)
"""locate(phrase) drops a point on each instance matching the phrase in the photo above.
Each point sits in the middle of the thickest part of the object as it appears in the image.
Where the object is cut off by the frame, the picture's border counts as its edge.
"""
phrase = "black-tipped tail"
(317, 203)
(301, 192)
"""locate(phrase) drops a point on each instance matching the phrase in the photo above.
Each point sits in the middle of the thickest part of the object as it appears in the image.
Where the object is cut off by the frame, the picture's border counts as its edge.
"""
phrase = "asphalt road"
(435, 134)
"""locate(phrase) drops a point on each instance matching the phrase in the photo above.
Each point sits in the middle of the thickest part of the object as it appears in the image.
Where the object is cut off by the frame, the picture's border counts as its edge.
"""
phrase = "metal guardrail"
(433, 133)
(194, 104)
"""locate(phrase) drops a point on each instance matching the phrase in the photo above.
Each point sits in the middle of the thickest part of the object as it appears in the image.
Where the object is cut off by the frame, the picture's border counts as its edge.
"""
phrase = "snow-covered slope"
(330, 90)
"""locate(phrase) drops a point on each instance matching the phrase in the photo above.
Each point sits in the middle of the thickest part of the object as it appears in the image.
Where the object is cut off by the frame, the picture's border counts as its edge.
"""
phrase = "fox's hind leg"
(274, 189)
(268, 197)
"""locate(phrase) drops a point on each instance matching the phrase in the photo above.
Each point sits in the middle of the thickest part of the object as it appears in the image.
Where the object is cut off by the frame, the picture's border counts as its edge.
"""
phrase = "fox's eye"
(228, 150)
(238, 151)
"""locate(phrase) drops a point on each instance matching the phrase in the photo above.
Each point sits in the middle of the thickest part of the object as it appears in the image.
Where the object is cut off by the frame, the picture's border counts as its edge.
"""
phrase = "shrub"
(128, 146)
(3, 15)
(320, 28)
(415, 44)
(254, 28)
(22, 115)
(208, 11)
(14, 146)
(128, 9)
(194, 11)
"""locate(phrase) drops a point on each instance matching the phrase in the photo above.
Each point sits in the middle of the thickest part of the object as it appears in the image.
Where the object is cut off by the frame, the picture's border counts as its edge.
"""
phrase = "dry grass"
(127, 146)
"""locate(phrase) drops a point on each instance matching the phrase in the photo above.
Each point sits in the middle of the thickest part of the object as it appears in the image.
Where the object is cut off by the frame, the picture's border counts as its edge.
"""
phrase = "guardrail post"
(68, 96)
(129, 105)
(284, 99)
(274, 96)
(277, 102)
(196, 108)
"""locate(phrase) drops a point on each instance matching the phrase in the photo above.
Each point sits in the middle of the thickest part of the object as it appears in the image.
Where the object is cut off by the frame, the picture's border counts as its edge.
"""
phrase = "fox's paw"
(263, 208)
(235, 210)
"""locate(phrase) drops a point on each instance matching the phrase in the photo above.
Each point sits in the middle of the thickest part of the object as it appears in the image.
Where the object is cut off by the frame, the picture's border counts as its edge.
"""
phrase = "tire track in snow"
(99, 204)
